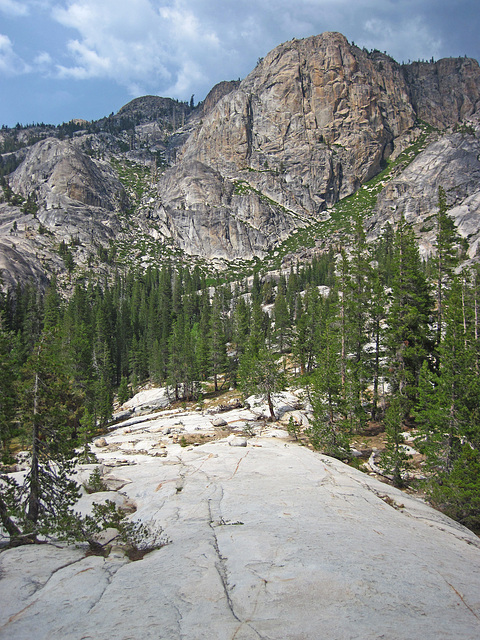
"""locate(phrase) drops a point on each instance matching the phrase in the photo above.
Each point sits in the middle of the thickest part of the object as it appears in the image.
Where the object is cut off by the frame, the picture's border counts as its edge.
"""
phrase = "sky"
(65, 59)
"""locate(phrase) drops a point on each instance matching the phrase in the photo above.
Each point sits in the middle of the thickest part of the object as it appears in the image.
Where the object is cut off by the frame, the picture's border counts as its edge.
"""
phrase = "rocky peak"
(444, 92)
(312, 122)
(55, 170)
(153, 108)
(262, 158)
(219, 90)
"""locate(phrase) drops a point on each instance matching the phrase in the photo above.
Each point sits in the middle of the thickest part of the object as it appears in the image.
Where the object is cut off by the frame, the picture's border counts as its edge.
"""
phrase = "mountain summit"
(236, 176)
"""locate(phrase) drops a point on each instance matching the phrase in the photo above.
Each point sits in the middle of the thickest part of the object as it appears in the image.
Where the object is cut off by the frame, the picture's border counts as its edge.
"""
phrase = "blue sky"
(64, 59)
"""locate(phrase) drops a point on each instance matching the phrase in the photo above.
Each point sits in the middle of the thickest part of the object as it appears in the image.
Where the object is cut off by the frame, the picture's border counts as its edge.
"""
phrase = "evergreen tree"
(123, 391)
(448, 407)
(217, 347)
(457, 493)
(310, 325)
(330, 430)
(446, 259)
(376, 314)
(395, 459)
(201, 340)
(9, 354)
(43, 503)
(409, 340)
(259, 374)
(355, 291)
(282, 318)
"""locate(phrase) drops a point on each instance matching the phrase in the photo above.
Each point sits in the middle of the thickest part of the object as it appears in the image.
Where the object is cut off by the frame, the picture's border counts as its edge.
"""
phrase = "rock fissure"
(461, 597)
(220, 562)
(54, 572)
(110, 574)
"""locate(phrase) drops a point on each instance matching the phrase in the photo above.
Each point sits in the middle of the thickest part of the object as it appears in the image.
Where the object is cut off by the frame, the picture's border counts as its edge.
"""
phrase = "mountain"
(237, 176)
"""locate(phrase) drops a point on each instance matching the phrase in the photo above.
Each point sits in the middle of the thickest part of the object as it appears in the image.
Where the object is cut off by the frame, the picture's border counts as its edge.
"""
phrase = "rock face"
(453, 163)
(59, 175)
(257, 160)
(76, 199)
(444, 92)
(219, 91)
(265, 541)
(316, 119)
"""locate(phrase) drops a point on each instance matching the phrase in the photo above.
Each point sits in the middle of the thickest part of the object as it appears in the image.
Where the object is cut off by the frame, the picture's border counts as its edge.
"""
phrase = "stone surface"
(219, 422)
(451, 162)
(268, 541)
(151, 398)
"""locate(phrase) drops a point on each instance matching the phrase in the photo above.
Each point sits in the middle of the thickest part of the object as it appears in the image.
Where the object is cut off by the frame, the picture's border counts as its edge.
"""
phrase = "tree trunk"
(34, 495)
(270, 406)
(8, 524)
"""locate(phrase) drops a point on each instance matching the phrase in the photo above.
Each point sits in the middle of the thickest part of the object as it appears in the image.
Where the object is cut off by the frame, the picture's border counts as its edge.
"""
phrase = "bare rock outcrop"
(74, 197)
(444, 92)
(267, 540)
(451, 162)
(219, 91)
(317, 118)
(56, 170)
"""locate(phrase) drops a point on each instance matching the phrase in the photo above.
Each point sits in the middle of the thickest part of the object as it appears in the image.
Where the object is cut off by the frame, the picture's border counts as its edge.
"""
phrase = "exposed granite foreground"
(267, 541)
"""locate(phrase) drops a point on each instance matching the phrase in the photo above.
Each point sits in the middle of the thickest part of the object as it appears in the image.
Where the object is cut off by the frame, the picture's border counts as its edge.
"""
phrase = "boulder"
(219, 422)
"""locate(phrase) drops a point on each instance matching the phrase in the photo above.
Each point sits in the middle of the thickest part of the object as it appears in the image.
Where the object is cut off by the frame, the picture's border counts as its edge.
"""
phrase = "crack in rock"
(110, 574)
(221, 567)
(39, 586)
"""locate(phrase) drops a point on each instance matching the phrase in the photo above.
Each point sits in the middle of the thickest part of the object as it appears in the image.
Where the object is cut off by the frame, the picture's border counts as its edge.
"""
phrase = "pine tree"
(282, 318)
(201, 332)
(446, 259)
(355, 290)
(217, 346)
(123, 391)
(9, 354)
(376, 313)
(458, 493)
(43, 502)
(330, 429)
(409, 340)
(448, 408)
(309, 327)
(395, 459)
(259, 374)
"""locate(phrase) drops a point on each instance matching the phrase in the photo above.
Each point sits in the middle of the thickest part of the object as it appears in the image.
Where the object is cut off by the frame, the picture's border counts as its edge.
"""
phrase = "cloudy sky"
(64, 59)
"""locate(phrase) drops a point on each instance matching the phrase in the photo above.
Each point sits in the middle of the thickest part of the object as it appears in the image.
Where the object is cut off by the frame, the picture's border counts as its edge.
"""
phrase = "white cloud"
(14, 8)
(178, 47)
(129, 41)
(173, 46)
(43, 60)
(10, 63)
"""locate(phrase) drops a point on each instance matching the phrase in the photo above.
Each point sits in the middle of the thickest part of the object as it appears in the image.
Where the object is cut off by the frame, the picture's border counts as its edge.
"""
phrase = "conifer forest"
(373, 333)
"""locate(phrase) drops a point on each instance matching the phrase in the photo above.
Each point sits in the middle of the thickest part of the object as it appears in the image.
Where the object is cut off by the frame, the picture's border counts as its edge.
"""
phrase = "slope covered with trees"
(373, 333)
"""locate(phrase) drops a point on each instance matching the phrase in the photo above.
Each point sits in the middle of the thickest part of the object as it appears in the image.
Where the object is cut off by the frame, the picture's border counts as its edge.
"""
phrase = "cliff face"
(257, 160)
(58, 173)
(451, 162)
(315, 120)
(444, 92)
